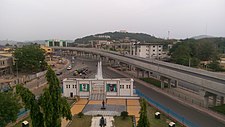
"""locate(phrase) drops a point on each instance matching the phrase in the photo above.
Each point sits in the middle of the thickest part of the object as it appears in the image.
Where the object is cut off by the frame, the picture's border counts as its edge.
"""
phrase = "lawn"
(162, 122)
(20, 123)
(119, 122)
(85, 121)
(220, 109)
(154, 82)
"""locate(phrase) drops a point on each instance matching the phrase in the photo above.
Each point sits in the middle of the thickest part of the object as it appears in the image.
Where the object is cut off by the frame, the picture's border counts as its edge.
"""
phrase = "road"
(193, 115)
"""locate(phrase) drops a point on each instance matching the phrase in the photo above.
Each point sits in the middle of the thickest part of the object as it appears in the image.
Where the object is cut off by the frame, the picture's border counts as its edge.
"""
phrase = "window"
(154, 50)
(73, 86)
(121, 86)
(160, 46)
(153, 46)
(68, 86)
(159, 50)
(159, 54)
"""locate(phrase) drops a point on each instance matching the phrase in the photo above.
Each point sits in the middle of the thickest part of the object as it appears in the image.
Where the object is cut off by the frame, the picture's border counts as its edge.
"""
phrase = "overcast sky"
(69, 19)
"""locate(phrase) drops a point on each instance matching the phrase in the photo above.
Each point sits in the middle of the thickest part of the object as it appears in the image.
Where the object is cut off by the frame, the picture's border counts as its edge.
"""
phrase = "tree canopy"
(191, 51)
(9, 104)
(143, 121)
(30, 58)
(47, 110)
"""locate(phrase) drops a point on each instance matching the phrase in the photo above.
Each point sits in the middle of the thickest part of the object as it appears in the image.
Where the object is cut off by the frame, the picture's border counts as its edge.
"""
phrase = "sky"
(24, 20)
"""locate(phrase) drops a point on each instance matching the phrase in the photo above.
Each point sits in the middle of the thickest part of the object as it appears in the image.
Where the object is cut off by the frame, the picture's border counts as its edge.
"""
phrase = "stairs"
(97, 96)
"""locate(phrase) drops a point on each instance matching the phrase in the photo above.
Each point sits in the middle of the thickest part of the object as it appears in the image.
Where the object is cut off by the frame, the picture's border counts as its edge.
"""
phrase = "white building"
(55, 42)
(148, 50)
(98, 88)
(90, 87)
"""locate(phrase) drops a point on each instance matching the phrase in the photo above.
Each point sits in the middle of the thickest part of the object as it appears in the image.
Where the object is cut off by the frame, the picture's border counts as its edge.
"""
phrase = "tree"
(9, 104)
(143, 121)
(124, 114)
(30, 58)
(80, 114)
(50, 107)
(53, 105)
(32, 104)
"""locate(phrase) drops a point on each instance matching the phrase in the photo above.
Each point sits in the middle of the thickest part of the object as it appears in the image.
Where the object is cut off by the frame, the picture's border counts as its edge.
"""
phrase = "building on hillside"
(148, 50)
(98, 88)
(58, 43)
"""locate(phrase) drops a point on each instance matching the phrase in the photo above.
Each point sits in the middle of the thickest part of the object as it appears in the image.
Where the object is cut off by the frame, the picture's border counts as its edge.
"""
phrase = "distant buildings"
(59, 43)
(6, 63)
(148, 50)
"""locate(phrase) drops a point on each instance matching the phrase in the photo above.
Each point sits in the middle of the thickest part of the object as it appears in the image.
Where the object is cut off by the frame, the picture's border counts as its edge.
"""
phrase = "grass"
(119, 122)
(70, 101)
(20, 123)
(162, 122)
(85, 121)
(154, 82)
(220, 109)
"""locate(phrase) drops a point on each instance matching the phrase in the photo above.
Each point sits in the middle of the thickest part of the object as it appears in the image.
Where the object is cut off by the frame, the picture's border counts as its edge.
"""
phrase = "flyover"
(210, 83)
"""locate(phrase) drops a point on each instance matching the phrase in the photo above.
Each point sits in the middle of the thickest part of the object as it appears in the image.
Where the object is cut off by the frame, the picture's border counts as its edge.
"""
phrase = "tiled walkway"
(113, 107)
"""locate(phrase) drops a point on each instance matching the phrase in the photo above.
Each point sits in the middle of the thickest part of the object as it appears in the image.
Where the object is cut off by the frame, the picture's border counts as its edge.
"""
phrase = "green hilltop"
(142, 37)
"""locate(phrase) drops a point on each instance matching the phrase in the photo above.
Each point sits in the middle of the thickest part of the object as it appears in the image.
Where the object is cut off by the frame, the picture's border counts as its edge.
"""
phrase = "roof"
(149, 44)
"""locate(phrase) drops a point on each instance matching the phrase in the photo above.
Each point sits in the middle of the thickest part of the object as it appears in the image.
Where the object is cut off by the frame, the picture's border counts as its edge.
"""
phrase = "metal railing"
(167, 111)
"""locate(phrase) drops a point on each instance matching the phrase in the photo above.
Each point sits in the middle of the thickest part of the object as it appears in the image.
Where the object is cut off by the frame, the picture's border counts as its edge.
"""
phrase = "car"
(69, 68)
(59, 73)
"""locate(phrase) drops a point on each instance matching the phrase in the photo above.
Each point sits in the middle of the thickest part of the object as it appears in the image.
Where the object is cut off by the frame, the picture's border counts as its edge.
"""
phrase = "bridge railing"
(167, 111)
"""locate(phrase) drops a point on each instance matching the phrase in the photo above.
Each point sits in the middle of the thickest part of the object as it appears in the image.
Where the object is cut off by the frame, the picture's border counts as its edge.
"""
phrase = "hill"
(202, 37)
(142, 37)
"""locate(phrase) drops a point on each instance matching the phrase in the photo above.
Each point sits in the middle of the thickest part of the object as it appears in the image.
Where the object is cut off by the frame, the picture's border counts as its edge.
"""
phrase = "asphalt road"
(193, 115)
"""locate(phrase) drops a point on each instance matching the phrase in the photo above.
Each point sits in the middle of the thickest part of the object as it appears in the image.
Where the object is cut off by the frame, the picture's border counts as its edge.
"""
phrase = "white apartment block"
(148, 50)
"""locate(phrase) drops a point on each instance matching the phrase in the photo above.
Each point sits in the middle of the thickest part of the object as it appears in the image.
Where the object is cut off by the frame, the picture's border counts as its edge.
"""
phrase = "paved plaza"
(113, 108)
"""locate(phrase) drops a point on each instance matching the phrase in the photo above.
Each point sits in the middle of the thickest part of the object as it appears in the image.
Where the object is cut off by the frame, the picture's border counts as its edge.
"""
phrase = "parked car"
(59, 73)
(69, 68)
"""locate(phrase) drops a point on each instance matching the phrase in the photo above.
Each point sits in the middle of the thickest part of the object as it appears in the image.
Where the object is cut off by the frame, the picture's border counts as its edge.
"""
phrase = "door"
(71, 94)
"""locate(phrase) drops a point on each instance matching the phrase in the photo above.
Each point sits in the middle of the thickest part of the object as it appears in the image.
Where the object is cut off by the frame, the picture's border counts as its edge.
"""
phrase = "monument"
(99, 71)
(102, 122)
(103, 105)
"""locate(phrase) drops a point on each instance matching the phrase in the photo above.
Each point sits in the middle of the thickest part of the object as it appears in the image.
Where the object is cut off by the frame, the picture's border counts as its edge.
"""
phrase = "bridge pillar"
(138, 71)
(176, 83)
(221, 100)
(143, 74)
(169, 83)
(162, 84)
(206, 101)
(214, 100)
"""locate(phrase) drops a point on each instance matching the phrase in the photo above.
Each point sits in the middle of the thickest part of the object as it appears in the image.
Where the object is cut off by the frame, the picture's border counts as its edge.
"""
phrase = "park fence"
(167, 111)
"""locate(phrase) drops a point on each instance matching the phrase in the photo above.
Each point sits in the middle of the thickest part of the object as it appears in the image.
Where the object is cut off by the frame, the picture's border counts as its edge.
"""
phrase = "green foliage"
(220, 109)
(143, 121)
(31, 103)
(193, 51)
(53, 105)
(215, 66)
(50, 107)
(124, 114)
(80, 114)
(9, 107)
(30, 58)
(118, 35)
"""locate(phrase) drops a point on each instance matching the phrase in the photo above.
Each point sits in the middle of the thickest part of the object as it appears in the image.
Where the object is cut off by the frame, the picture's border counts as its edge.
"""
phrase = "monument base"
(102, 108)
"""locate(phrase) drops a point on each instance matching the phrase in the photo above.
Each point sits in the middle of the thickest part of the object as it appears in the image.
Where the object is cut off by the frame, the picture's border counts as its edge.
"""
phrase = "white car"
(69, 68)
